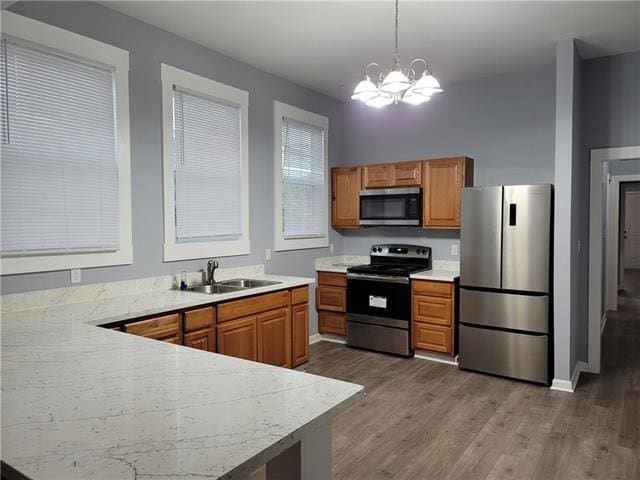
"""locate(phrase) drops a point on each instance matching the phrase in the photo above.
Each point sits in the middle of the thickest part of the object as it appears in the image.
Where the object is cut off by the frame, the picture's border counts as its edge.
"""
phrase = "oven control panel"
(402, 251)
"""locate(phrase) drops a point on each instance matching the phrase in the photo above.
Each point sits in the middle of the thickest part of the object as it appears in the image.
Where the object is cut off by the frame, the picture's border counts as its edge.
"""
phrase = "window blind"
(302, 180)
(208, 169)
(59, 167)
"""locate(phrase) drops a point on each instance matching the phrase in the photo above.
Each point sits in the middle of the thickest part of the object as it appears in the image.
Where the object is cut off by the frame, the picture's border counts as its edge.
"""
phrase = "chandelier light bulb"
(380, 101)
(412, 97)
(395, 82)
(365, 90)
(427, 85)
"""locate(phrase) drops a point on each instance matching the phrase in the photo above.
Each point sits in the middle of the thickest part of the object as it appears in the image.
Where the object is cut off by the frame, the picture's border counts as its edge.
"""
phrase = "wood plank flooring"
(423, 420)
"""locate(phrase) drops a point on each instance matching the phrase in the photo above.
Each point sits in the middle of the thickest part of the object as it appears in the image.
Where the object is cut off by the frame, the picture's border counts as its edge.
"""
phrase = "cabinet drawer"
(331, 322)
(331, 298)
(248, 306)
(432, 337)
(428, 309)
(332, 279)
(166, 328)
(199, 319)
(408, 174)
(441, 289)
(299, 295)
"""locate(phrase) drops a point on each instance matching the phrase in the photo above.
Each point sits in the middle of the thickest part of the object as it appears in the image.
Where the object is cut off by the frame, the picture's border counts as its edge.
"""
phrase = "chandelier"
(397, 86)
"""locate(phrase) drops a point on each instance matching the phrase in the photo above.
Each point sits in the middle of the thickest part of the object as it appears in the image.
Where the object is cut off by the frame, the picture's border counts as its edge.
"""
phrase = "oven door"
(392, 206)
(378, 299)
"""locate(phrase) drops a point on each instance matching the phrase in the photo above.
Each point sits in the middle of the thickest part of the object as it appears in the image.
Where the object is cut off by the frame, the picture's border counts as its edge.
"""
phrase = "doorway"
(629, 246)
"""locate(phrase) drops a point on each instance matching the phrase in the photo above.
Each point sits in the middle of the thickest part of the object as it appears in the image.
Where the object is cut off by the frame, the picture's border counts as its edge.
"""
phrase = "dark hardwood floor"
(424, 420)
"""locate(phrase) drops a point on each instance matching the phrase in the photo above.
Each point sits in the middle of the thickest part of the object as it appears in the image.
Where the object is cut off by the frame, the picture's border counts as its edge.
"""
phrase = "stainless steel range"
(379, 298)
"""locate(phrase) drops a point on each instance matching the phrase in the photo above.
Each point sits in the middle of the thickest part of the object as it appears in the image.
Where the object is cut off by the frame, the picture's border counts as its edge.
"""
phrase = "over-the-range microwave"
(391, 206)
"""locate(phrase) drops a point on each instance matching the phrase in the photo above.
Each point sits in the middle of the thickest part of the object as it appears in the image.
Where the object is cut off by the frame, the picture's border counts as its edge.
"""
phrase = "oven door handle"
(377, 278)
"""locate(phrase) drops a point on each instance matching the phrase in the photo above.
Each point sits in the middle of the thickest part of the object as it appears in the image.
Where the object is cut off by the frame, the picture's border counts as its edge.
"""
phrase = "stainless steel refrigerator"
(505, 281)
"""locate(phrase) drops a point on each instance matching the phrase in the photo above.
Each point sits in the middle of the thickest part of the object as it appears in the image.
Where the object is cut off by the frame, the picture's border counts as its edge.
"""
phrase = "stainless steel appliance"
(505, 281)
(379, 298)
(391, 206)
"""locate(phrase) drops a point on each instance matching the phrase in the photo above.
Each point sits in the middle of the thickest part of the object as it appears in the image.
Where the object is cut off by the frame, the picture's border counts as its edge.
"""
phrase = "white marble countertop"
(436, 274)
(85, 402)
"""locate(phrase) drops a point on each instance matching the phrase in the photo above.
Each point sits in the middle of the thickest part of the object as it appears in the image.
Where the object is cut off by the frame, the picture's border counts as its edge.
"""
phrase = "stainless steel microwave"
(391, 206)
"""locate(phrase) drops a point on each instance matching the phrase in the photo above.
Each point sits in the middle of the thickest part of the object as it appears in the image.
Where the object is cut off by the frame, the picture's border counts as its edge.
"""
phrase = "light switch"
(331, 248)
(76, 275)
(267, 254)
(454, 249)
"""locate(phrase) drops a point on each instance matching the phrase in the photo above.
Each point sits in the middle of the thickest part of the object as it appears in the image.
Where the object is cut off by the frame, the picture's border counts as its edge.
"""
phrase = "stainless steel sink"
(213, 289)
(248, 283)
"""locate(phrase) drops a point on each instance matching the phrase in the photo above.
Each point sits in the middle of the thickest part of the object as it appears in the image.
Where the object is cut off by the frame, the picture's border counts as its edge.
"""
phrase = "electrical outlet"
(454, 249)
(267, 254)
(76, 275)
(331, 248)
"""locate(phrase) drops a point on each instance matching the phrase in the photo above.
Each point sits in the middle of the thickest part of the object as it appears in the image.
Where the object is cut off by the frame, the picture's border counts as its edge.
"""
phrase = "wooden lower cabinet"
(300, 333)
(331, 298)
(166, 328)
(239, 338)
(432, 337)
(332, 322)
(433, 316)
(274, 337)
(199, 329)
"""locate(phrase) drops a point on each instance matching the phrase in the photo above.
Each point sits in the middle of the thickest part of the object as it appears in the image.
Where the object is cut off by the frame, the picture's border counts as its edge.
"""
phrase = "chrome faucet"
(211, 270)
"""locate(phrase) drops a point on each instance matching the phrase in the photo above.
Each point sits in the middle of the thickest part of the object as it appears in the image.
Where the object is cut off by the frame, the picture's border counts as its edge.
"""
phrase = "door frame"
(613, 237)
(628, 194)
(596, 320)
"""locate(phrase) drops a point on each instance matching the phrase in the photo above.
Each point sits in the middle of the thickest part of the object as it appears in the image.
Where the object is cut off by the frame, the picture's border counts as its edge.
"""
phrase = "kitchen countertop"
(437, 274)
(85, 402)
(442, 271)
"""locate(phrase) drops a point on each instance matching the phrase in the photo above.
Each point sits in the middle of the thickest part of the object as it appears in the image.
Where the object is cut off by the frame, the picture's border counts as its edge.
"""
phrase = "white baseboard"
(570, 385)
(436, 357)
(326, 337)
(421, 354)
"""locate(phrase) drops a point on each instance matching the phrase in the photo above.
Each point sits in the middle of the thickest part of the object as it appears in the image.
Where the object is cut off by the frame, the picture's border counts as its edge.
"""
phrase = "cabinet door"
(379, 175)
(300, 333)
(331, 298)
(407, 174)
(345, 197)
(442, 185)
(436, 310)
(332, 322)
(202, 340)
(166, 328)
(239, 338)
(432, 337)
(274, 338)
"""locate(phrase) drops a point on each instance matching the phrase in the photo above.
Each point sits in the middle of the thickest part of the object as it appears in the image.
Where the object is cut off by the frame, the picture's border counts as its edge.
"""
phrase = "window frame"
(281, 243)
(202, 86)
(86, 49)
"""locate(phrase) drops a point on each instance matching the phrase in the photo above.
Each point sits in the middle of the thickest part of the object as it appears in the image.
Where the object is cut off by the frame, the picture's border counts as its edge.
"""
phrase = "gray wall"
(506, 123)
(148, 46)
(566, 153)
(610, 118)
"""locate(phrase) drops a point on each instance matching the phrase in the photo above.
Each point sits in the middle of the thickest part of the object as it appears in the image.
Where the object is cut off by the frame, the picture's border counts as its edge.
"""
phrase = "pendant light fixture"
(397, 86)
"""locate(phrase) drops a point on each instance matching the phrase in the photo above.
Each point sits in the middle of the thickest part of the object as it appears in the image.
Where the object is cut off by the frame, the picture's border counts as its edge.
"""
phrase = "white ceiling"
(325, 45)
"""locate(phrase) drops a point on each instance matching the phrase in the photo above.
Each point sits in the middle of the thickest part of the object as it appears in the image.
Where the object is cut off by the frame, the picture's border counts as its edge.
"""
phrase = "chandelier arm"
(372, 64)
(412, 70)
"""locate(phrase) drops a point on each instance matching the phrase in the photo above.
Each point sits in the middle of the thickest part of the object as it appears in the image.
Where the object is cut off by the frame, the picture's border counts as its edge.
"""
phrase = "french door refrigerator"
(505, 281)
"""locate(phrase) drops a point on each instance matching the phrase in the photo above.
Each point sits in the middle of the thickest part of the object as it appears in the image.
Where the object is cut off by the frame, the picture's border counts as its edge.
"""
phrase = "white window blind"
(208, 169)
(59, 168)
(302, 180)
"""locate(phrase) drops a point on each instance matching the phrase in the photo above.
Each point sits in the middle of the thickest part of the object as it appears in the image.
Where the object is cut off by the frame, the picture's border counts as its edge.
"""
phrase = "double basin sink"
(234, 285)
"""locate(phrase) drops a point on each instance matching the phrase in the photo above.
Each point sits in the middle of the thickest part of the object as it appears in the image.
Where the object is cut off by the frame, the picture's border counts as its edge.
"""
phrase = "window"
(301, 167)
(205, 167)
(65, 159)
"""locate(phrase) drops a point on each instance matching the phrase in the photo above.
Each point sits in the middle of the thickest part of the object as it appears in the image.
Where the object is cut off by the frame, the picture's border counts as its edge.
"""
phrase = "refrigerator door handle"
(512, 214)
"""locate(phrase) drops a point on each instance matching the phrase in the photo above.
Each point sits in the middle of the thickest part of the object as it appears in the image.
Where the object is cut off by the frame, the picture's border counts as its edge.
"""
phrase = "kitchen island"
(80, 401)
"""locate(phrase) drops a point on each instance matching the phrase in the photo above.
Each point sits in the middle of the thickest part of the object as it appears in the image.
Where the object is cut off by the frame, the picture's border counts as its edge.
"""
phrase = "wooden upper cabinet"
(407, 174)
(165, 328)
(378, 175)
(239, 338)
(274, 338)
(346, 184)
(443, 180)
(385, 175)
